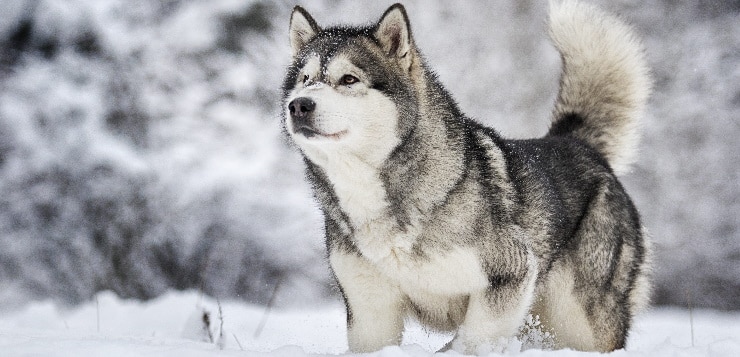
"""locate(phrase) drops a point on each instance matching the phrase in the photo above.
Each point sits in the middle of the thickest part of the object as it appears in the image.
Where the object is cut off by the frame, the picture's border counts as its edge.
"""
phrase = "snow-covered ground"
(172, 325)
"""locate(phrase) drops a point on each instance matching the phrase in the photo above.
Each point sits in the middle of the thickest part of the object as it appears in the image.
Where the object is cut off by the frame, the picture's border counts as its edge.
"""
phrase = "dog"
(429, 214)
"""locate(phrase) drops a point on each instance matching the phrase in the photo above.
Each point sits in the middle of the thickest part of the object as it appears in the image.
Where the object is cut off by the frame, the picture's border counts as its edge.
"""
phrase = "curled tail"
(605, 81)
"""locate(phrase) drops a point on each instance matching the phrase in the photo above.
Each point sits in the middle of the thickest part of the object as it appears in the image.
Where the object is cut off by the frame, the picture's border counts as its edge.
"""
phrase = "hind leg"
(582, 317)
(611, 258)
(561, 312)
(604, 266)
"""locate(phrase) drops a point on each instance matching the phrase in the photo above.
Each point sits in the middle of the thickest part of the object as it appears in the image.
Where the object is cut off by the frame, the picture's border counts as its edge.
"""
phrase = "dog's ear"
(302, 29)
(393, 32)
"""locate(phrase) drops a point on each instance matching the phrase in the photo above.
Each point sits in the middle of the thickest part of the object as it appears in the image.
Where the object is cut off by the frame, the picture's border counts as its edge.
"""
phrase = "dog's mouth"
(312, 133)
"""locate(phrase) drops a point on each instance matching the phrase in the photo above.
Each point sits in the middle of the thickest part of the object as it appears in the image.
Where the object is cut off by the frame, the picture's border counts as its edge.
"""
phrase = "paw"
(463, 343)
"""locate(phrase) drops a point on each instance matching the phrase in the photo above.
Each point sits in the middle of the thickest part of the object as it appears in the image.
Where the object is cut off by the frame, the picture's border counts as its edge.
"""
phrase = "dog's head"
(350, 89)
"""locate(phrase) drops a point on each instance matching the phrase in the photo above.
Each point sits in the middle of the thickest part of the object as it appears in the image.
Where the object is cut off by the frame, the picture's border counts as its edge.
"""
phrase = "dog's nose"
(300, 108)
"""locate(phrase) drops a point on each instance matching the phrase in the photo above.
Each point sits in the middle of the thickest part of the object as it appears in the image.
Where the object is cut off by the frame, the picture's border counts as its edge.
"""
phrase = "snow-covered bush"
(140, 152)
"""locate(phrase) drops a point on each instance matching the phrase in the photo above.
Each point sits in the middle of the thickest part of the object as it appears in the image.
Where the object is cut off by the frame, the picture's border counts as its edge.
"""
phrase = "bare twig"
(690, 301)
(97, 312)
(268, 308)
(237, 342)
(220, 341)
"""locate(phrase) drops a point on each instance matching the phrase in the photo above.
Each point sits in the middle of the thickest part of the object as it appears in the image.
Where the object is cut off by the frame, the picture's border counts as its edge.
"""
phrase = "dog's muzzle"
(301, 113)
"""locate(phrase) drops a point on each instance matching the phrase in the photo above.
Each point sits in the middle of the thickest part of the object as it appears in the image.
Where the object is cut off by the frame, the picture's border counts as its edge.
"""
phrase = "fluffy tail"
(605, 81)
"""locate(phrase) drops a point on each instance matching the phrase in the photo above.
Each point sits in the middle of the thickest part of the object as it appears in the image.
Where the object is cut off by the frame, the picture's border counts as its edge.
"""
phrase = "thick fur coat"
(430, 214)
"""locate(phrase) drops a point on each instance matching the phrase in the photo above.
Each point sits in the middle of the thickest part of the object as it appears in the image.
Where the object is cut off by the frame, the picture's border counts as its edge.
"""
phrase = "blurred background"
(141, 151)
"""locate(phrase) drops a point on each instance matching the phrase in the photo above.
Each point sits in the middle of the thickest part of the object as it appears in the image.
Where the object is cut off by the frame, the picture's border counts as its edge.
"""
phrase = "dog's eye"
(348, 79)
(305, 78)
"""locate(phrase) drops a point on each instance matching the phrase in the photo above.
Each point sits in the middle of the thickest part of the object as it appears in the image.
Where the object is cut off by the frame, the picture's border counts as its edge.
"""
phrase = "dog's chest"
(393, 251)
(359, 190)
(362, 197)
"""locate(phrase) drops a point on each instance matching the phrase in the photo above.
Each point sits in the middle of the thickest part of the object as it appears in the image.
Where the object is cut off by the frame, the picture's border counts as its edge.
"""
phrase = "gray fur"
(430, 214)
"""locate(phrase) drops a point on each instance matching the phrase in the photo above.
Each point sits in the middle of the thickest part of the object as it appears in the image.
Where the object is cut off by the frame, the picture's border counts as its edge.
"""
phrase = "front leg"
(496, 313)
(375, 305)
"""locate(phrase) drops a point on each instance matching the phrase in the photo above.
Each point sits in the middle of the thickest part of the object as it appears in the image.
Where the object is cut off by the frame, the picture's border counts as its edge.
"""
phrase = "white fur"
(377, 292)
(375, 301)
(367, 119)
(483, 328)
(560, 311)
(453, 273)
(490, 323)
(640, 295)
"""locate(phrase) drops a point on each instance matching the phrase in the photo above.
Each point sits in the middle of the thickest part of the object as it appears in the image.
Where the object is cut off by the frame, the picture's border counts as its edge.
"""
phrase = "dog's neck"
(416, 155)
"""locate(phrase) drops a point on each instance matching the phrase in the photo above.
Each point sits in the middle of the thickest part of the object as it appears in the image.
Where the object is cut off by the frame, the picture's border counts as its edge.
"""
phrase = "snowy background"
(141, 151)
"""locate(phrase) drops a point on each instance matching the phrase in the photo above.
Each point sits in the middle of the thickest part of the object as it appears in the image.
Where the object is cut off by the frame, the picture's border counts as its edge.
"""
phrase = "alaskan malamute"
(430, 214)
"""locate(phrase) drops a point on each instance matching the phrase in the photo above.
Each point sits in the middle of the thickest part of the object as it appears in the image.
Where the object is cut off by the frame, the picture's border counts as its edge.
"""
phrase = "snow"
(171, 325)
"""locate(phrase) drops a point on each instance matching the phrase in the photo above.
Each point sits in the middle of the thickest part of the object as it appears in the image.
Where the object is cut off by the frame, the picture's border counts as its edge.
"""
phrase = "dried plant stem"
(268, 308)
